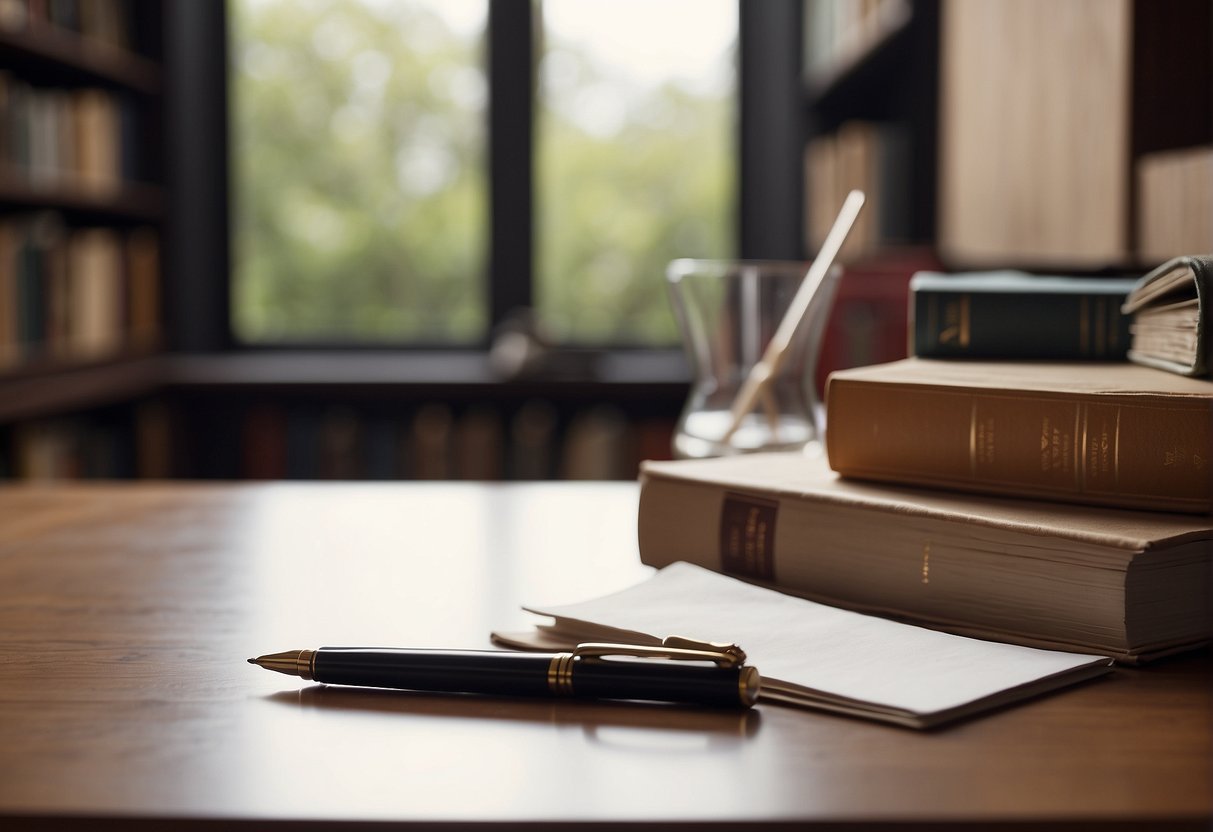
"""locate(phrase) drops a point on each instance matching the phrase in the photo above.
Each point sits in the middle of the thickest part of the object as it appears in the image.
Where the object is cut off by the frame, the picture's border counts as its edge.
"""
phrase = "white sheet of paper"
(834, 651)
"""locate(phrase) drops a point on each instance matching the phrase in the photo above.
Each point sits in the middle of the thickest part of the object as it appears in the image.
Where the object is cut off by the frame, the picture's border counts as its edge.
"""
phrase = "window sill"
(617, 373)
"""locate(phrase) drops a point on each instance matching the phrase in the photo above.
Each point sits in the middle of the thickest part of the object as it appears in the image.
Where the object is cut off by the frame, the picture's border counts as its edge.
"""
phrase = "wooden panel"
(1035, 109)
(1175, 204)
(127, 612)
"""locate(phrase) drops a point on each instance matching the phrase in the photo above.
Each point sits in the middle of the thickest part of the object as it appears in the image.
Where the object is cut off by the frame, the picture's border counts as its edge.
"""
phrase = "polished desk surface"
(127, 613)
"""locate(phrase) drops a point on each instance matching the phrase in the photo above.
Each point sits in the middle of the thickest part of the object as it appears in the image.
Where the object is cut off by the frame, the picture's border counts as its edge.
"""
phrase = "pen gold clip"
(674, 648)
(715, 646)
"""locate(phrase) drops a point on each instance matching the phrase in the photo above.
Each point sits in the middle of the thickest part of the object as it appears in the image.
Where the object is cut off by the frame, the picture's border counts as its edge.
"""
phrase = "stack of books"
(1062, 504)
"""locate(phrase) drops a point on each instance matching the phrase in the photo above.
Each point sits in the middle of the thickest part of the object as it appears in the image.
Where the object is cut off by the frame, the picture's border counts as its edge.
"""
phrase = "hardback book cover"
(1018, 315)
(1102, 433)
(1169, 308)
(1129, 584)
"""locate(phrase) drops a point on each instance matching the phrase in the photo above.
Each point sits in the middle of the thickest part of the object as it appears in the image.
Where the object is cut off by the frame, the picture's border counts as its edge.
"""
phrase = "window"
(635, 159)
(358, 151)
(360, 148)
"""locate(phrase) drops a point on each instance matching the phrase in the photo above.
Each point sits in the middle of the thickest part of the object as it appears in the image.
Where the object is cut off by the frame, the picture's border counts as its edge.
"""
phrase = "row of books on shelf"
(84, 138)
(439, 441)
(75, 294)
(1062, 501)
(109, 443)
(873, 157)
(1173, 209)
(839, 32)
(105, 21)
(270, 441)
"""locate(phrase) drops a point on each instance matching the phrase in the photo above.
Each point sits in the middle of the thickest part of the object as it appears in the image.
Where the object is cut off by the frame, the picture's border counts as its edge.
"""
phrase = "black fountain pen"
(700, 674)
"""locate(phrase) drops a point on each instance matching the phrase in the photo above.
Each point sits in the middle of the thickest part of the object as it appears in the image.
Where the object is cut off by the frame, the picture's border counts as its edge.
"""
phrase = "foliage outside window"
(359, 151)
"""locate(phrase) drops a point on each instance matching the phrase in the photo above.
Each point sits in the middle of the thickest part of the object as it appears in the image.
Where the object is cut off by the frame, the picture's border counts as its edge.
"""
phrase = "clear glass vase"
(727, 312)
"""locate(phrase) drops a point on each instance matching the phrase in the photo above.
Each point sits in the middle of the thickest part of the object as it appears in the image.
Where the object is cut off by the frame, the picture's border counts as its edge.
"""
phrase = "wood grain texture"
(126, 614)
(1035, 132)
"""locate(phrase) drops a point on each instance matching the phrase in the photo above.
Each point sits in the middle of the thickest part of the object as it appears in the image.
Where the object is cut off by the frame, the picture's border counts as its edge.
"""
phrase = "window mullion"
(511, 79)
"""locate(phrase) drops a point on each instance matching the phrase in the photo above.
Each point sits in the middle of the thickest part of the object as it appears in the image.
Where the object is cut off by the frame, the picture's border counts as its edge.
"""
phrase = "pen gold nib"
(291, 662)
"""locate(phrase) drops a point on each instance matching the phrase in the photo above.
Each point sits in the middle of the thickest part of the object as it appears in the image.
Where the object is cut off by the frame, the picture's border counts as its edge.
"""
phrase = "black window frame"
(769, 212)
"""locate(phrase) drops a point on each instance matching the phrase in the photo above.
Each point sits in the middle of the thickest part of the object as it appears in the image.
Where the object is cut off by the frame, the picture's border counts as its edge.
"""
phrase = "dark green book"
(1018, 316)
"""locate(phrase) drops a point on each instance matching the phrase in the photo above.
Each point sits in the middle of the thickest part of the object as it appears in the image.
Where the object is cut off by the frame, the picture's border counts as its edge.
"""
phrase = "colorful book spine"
(1019, 316)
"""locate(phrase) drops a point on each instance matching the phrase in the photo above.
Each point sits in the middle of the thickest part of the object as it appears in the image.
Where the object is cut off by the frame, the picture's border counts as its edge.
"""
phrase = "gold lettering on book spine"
(1080, 472)
(926, 562)
(1116, 452)
(955, 323)
(1080, 434)
(964, 321)
(973, 440)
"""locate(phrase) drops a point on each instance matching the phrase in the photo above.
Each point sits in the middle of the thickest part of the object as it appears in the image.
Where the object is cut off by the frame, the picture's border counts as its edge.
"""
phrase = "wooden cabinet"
(1031, 125)
(1045, 110)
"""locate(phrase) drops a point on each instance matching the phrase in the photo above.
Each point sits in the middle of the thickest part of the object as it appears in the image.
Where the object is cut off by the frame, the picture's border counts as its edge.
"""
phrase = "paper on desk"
(814, 654)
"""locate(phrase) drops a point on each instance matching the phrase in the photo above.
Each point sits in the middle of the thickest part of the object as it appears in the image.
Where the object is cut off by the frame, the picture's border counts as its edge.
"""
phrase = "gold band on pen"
(748, 685)
(560, 674)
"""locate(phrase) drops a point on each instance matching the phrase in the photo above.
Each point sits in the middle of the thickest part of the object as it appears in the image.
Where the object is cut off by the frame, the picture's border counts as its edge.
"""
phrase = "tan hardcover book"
(1113, 434)
(95, 278)
(1134, 585)
(856, 154)
(97, 141)
(821, 190)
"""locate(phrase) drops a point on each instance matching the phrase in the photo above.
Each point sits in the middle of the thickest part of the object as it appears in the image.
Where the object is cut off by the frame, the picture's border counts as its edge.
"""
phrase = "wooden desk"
(126, 614)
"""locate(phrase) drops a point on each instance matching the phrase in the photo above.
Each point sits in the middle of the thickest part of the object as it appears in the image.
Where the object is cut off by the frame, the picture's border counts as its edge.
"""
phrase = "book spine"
(1132, 451)
(955, 324)
(936, 571)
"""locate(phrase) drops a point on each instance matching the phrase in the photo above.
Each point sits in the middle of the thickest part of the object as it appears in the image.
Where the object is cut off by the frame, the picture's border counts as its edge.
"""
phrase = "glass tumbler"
(728, 312)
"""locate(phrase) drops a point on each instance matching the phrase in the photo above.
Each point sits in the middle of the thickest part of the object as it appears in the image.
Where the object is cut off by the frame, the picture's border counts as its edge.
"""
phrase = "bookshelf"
(870, 100)
(1042, 175)
(1073, 138)
(1012, 134)
(82, 211)
(878, 108)
(871, 73)
(366, 414)
(182, 402)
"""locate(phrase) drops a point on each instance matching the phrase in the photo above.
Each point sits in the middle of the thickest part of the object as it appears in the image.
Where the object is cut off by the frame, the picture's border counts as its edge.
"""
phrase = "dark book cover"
(1019, 316)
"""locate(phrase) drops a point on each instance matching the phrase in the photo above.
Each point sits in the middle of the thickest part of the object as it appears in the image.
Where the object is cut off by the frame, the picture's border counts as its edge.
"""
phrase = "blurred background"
(427, 239)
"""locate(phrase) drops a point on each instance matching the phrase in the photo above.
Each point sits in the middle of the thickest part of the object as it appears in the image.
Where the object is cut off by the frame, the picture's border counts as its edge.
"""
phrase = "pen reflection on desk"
(712, 677)
(601, 723)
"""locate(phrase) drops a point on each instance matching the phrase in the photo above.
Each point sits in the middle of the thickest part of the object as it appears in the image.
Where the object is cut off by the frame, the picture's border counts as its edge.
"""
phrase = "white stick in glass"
(777, 349)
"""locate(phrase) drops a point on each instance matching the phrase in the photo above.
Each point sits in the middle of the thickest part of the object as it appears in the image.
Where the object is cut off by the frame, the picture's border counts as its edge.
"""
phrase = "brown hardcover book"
(1113, 434)
(143, 288)
(1129, 584)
